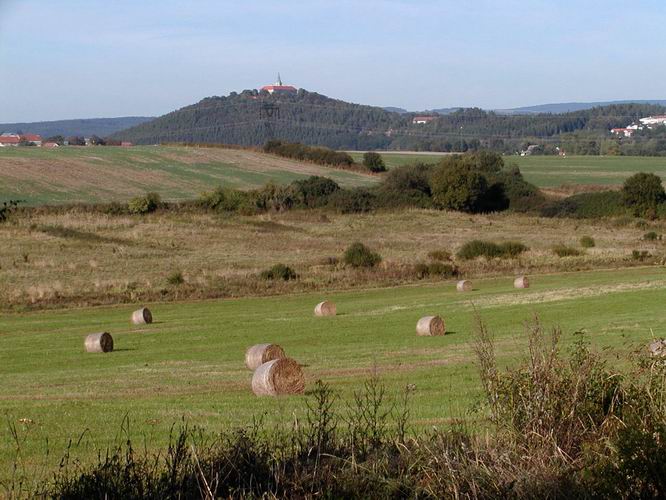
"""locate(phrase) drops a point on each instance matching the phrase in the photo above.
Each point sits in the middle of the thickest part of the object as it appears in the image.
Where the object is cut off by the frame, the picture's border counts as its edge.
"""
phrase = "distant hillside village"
(10, 139)
(649, 123)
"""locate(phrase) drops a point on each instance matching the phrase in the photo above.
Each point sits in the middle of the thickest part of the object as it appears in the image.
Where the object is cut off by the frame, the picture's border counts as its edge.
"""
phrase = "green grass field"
(189, 363)
(104, 174)
(554, 171)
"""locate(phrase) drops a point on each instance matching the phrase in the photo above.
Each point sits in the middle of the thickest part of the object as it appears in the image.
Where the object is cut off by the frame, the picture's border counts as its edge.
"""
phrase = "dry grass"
(83, 258)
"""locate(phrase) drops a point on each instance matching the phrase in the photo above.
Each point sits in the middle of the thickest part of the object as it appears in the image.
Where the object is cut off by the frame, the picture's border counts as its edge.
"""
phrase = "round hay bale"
(657, 348)
(464, 286)
(325, 308)
(99, 342)
(429, 326)
(521, 282)
(277, 377)
(259, 354)
(142, 316)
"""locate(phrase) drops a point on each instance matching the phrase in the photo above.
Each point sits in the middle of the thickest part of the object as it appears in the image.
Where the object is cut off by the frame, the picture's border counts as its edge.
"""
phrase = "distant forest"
(86, 127)
(252, 118)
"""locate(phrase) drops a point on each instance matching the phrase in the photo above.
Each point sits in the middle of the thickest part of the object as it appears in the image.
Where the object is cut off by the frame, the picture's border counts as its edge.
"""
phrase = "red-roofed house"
(34, 138)
(9, 140)
(279, 88)
(420, 120)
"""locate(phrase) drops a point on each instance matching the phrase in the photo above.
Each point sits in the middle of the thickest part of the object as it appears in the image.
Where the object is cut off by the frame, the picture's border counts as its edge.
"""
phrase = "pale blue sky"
(93, 58)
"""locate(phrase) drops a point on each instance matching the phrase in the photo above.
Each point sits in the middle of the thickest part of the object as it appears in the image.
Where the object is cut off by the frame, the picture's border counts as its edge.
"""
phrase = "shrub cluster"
(587, 242)
(144, 204)
(479, 182)
(359, 255)
(320, 155)
(279, 272)
(435, 269)
(488, 249)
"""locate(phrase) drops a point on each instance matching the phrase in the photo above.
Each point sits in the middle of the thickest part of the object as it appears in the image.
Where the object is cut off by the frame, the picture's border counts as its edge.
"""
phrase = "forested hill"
(312, 118)
(243, 119)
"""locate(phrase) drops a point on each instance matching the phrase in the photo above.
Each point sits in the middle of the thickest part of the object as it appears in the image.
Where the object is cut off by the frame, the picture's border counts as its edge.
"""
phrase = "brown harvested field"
(80, 258)
(104, 174)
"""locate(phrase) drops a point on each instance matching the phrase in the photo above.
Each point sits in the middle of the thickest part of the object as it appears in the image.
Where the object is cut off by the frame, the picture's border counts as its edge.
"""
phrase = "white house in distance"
(279, 88)
(421, 120)
(653, 120)
(648, 122)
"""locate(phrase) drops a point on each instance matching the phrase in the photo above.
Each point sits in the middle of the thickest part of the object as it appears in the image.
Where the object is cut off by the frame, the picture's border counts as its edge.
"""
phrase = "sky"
(99, 58)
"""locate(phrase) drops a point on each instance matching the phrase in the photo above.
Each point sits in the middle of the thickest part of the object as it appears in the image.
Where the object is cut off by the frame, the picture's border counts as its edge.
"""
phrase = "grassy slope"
(73, 258)
(110, 173)
(189, 363)
(551, 171)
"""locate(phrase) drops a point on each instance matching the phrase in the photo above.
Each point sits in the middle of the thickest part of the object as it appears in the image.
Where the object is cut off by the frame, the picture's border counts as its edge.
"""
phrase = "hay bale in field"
(325, 308)
(657, 348)
(142, 316)
(277, 377)
(99, 342)
(464, 286)
(521, 282)
(430, 326)
(259, 354)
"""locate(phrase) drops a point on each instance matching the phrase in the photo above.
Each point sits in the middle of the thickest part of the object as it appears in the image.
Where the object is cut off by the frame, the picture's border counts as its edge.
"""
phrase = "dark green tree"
(458, 187)
(374, 162)
(642, 193)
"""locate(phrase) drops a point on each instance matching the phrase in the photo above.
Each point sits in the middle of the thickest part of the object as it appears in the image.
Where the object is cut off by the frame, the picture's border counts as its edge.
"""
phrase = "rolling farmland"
(105, 174)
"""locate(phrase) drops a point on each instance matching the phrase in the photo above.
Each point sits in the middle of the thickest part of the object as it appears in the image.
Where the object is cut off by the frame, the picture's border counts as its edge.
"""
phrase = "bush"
(442, 270)
(488, 249)
(351, 201)
(7, 208)
(562, 250)
(374, 162)
(458, 188)
(175, 278)
(358, 255)
(651, 236)
(439, 269)
(279, 272)
(421, 270)
(322, 156)
(314, 191)
(144, 204)
(640, 255)
(587, 242)
(642, 193)
(407, 186)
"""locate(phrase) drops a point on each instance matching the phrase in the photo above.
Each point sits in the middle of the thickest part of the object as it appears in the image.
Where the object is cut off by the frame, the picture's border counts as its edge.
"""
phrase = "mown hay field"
(555, 171)
(188, 365)
(105, 174)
